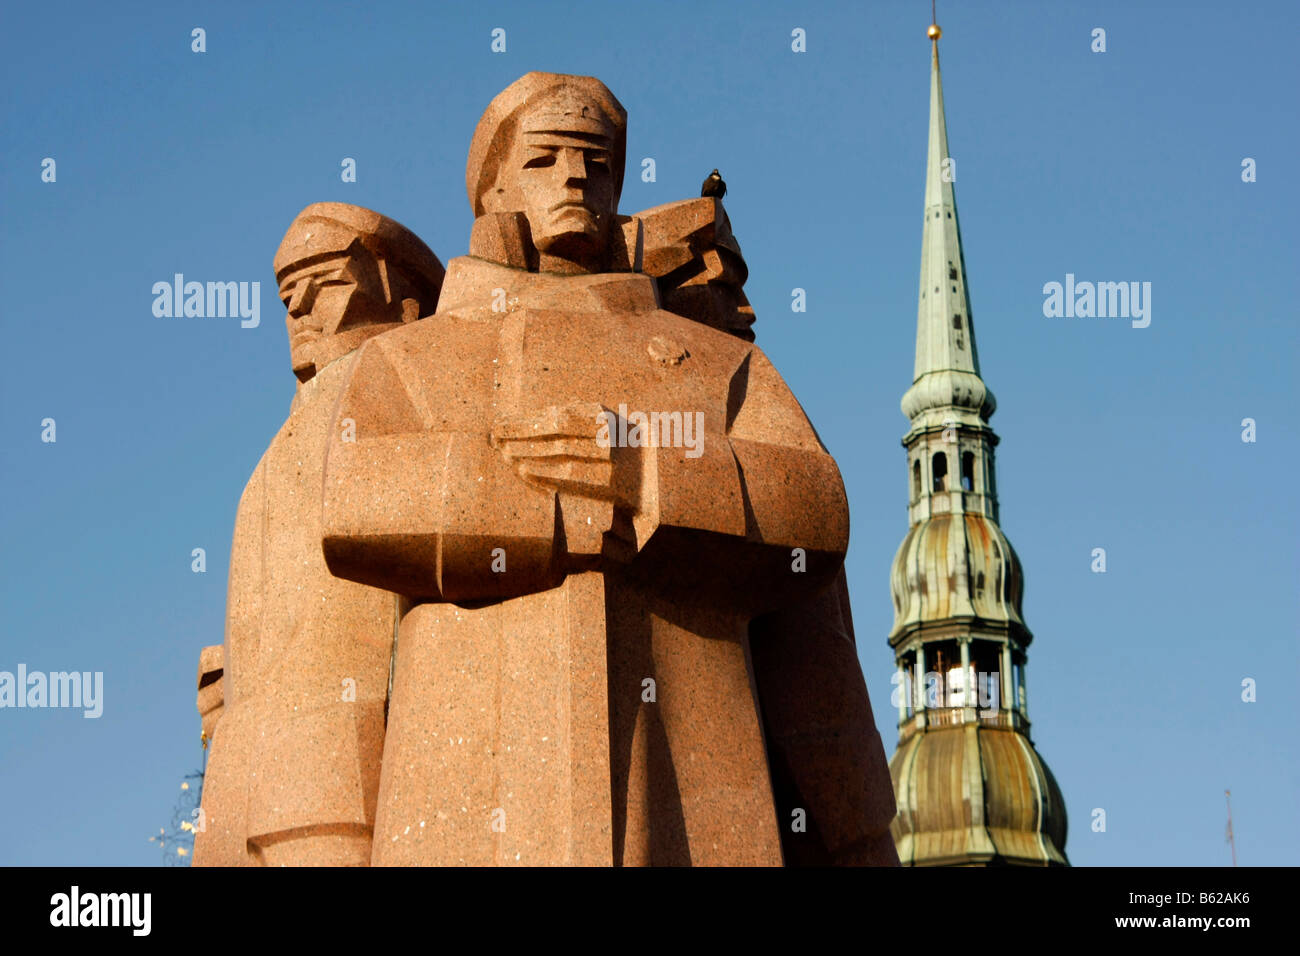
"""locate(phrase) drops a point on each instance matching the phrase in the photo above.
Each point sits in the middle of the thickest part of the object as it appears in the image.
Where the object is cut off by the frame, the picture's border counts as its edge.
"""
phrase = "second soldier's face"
(331, 297)
(714, 294)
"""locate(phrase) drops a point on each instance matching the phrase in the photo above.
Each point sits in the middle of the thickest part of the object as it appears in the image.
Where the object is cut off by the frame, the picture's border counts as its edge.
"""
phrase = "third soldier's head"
(347, 273)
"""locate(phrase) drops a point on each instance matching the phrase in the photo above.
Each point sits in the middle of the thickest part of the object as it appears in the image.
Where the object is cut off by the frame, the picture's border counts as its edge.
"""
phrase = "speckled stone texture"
(573, 682)
(826, 756)
(422, 500)
(608, 536)
(294, 770)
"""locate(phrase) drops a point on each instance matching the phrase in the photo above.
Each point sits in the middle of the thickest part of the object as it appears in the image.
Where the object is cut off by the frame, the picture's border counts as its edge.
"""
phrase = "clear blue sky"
(1116, 166)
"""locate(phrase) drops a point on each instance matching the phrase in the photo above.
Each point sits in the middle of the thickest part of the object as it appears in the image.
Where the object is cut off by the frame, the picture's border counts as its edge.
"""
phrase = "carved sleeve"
(427, 511)
(763, 509)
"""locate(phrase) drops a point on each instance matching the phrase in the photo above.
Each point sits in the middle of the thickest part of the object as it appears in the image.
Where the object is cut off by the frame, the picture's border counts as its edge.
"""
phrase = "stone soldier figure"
(826, 757)
(294, 770)
(572, 681)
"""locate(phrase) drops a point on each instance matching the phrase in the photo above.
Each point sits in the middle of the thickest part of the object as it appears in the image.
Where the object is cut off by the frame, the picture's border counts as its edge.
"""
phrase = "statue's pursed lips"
(304, 334)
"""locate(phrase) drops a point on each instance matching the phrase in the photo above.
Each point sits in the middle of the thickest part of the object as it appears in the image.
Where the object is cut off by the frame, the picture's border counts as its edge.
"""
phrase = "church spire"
(970, 787)
(946, 380)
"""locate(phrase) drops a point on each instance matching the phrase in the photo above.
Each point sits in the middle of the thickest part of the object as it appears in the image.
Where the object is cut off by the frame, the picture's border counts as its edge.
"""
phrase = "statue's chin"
(571, 243)
(304, 362)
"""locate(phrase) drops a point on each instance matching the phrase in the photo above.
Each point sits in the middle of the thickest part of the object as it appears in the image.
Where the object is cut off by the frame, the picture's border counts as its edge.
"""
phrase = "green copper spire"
(946, 382)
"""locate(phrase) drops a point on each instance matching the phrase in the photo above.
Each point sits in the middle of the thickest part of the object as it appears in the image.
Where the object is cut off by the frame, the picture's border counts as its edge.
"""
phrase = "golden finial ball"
(933, 32)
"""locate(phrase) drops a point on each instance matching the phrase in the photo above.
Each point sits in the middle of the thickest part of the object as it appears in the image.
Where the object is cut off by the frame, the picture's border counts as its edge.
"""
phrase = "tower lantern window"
(939, 468)
(957, 696)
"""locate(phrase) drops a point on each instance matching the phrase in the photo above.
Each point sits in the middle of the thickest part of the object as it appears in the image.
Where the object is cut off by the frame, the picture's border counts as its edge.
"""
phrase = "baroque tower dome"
(970, 787)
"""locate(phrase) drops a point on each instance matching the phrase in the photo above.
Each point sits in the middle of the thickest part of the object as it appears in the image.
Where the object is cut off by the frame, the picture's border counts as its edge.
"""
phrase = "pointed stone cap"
(570, 97)
(324, 229)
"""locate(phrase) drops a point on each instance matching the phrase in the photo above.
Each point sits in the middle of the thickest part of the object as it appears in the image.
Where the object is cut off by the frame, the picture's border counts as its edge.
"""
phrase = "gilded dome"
(956, 565)
(977, 795)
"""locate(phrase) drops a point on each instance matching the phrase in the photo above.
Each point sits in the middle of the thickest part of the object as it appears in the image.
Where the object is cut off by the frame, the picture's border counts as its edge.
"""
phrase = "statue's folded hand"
(567, 449)
(560, 449)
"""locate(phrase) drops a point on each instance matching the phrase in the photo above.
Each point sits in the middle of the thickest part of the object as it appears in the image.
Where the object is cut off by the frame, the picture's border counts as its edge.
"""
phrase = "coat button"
(666, 351)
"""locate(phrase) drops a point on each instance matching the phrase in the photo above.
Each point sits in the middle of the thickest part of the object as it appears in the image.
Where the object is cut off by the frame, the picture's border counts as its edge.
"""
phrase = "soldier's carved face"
(711, 290)
(563, 167)
(333, 296)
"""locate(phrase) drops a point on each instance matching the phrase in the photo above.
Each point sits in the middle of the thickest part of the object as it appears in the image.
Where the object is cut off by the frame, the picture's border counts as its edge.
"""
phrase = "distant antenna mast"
(1227, 795)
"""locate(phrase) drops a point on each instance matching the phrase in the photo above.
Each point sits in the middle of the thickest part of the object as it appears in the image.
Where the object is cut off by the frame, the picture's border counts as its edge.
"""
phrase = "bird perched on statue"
(714, 186)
